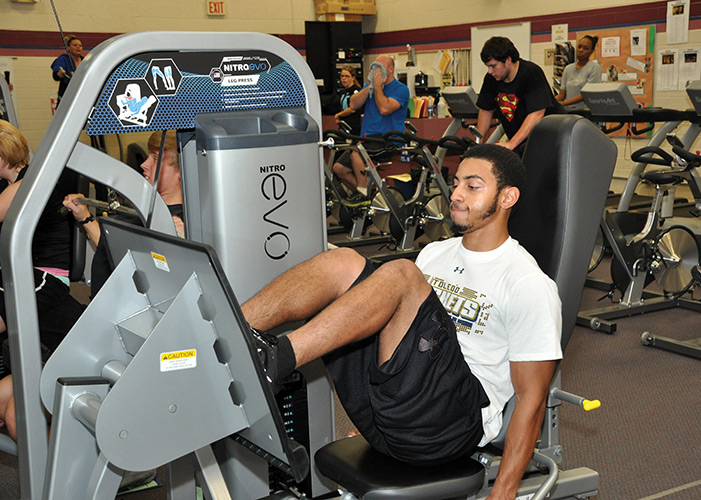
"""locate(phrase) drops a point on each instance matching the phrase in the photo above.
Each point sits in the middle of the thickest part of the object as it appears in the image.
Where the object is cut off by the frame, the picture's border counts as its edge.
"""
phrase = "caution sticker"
(178, 360)
(160, 261)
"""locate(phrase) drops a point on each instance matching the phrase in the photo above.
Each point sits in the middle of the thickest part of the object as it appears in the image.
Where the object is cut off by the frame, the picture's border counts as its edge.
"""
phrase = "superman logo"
(507, 105)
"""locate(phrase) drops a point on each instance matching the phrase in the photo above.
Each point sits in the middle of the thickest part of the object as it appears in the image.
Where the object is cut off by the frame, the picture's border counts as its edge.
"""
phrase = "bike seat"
(662, 179)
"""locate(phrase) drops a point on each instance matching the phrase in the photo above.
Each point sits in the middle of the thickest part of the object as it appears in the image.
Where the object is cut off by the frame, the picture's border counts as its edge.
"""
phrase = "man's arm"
(385, 105)
(526, 127)
(484, 121)
(531, 381)
(358, 99)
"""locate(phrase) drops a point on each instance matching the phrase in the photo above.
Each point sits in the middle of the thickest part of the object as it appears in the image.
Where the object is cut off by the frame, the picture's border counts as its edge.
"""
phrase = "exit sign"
(215, 8)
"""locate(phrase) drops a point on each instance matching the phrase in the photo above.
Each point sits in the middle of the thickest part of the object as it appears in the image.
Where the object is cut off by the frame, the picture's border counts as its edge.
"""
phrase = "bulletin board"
(636, 71)
(518, 33)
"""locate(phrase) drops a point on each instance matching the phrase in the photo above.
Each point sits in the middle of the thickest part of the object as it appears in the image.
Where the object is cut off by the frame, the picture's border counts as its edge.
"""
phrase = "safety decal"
(160, 261)
(178, 360)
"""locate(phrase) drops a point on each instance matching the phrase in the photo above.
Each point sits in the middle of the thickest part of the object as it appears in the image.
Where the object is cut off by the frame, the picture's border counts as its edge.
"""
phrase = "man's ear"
(509, 197)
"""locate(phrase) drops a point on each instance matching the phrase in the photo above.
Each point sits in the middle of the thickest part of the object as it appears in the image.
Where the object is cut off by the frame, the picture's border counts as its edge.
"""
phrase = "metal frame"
(9, 104)
(54, 152)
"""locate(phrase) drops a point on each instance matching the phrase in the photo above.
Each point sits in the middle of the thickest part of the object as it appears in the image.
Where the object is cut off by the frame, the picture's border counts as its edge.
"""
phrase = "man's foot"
(356, 200)
(266, 346)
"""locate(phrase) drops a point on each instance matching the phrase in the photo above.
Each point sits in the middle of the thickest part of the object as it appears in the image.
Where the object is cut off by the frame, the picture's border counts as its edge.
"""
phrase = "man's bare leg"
(346, 175)
(358, 166)
(304, 290)
(386, 302)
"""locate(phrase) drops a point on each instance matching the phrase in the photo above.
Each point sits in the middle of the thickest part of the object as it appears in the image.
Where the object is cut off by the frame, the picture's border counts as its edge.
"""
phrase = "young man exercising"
(425, 356)
(515, 91)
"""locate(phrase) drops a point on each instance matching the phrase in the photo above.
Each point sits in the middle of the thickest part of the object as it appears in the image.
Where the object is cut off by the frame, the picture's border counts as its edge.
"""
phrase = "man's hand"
(78, 209)
(377, 77)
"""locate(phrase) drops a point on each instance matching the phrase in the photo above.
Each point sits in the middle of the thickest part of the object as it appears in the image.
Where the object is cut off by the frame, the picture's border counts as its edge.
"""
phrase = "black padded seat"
(662, 179)
(371, 475)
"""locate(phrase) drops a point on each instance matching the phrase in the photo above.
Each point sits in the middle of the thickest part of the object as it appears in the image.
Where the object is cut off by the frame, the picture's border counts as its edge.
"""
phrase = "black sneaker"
(356, 200)
(266, 346)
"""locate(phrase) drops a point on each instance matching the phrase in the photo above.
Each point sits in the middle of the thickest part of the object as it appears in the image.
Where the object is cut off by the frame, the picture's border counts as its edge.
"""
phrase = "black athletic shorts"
(58, 310)
(370, 147)
(423, 406)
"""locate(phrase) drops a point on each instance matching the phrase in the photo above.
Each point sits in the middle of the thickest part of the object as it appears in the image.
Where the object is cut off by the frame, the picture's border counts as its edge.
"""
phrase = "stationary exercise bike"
(657, 253)
(357, 220)
(423, 213)
(404, 220)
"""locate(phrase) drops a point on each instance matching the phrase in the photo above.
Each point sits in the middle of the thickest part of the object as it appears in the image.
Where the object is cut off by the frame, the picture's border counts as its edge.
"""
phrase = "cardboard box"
(361, 7)
(340, 17)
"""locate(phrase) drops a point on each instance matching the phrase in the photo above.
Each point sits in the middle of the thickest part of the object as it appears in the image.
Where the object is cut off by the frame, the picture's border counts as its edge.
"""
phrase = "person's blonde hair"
(14, 148)
(170, 149)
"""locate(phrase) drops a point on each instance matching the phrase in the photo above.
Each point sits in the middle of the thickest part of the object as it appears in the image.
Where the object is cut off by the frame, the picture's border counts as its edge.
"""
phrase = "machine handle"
(586, 404)
(692, 159)
(454, 142)
(398, 136)
(341, 134)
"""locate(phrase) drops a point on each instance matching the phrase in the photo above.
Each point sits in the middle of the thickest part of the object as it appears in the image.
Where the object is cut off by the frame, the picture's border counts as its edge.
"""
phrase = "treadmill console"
(609, 99)
(462, 101)
(694, 93)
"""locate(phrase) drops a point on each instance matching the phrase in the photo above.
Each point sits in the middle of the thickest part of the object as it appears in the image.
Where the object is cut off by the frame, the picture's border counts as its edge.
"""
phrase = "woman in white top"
(578, 74)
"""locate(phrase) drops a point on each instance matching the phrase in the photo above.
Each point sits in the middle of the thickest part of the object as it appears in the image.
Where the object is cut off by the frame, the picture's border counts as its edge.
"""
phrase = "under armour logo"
(433, 346)
(458, 270)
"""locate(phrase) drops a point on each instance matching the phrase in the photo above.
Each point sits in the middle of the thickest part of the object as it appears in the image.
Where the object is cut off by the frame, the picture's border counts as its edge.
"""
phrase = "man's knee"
(339, 169)
(345, 260)
(403, 273)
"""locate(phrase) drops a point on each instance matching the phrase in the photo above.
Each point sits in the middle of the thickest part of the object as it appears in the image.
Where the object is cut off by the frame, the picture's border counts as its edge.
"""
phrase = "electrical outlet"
(549, 57)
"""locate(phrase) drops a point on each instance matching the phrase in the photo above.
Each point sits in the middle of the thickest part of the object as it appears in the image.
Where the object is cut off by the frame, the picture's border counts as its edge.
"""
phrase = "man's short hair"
(507, 166)
(499, 48)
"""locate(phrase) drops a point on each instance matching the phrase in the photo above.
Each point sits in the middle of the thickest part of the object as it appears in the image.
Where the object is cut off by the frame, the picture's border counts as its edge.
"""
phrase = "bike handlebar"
(694, 160)
(665, 157)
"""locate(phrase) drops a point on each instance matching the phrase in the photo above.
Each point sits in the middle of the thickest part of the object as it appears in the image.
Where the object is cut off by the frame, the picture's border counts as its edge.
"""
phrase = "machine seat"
(662, 179)
(371, 475)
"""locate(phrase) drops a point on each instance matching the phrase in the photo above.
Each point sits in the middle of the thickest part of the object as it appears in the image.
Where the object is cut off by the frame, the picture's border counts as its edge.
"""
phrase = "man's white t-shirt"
(504, 309)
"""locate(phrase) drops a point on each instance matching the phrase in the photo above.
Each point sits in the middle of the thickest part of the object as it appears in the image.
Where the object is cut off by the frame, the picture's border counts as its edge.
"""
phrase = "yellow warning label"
(160, 261)
(178, 360)
(178, 355)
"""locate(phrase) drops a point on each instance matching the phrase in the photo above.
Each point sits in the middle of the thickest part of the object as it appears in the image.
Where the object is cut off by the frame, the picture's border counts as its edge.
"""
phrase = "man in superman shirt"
(515, 91)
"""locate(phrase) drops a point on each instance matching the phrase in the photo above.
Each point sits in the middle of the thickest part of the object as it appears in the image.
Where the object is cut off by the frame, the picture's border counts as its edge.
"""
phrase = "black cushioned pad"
(369, 474)
(662, 179)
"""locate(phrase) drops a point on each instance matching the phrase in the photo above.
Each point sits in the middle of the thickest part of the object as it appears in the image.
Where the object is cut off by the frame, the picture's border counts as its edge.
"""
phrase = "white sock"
(363, 191)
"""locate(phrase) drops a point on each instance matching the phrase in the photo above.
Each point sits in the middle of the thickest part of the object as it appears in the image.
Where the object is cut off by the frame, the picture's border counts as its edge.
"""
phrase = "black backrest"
(569, 164)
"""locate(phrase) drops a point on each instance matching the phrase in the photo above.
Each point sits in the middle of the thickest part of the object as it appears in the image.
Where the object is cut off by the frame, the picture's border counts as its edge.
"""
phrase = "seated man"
(516, 90)
(385, 99)
(425, 369)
